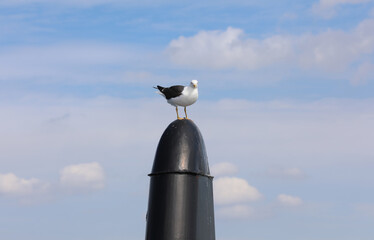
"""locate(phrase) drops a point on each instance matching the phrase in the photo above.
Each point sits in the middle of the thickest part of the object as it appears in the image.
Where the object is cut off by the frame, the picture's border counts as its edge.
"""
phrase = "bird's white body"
(180, 95)
(189, 96)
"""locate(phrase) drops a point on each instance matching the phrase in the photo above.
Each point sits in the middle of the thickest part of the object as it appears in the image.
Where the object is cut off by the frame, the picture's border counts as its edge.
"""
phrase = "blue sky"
(286, 108)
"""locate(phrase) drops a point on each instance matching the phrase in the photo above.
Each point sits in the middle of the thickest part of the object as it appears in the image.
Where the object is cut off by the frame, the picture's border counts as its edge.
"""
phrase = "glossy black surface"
(180, 205)
(181, 149)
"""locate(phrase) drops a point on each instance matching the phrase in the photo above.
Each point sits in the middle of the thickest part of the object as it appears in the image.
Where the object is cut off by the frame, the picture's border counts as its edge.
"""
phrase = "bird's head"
(194, 83)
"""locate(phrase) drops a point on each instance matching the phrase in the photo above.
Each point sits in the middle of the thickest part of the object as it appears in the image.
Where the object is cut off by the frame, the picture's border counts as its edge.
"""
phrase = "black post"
(180, 205)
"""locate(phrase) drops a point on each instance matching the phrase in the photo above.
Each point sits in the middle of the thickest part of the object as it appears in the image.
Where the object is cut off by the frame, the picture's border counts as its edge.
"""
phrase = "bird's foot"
(179, 118)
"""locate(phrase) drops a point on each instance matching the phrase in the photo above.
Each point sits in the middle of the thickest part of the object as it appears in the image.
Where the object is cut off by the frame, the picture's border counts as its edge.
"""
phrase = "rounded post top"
(181, 150)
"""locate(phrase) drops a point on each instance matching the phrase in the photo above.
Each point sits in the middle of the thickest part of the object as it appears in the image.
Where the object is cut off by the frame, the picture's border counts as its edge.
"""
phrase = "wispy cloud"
(331, 51)
(288, 200)
(227, 49)
(327, 8)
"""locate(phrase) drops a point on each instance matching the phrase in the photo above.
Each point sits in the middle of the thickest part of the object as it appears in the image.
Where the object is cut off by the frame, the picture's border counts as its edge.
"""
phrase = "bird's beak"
(195, 85)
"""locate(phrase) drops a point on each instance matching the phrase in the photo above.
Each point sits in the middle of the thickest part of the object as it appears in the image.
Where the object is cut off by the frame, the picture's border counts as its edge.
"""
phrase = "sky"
(286, 109)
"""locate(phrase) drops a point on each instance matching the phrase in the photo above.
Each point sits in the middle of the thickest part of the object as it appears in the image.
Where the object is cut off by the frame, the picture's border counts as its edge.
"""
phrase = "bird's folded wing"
(173, 91)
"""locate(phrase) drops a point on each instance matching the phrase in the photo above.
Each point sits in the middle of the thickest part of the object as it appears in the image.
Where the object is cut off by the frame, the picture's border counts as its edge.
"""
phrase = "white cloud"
(326, 8)
(85, 176)
(332, 51)
(229, 190)
(230, 48)
(288, 200)
(11, 185)
(223, 168)
(235, 212)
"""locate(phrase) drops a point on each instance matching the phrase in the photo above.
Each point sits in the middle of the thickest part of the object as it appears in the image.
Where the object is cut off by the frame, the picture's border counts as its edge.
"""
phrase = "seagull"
(180, 95)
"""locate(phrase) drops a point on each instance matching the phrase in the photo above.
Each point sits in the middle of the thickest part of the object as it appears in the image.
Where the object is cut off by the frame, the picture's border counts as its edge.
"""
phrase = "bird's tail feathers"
(160, 93)
(159, 88)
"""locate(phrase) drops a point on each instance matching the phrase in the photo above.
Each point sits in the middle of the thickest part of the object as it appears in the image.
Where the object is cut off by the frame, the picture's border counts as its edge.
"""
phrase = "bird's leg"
(185, 112)
(176, 109)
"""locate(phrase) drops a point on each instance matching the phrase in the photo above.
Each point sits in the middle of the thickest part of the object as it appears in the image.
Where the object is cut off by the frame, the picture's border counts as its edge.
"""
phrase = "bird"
(179, 95)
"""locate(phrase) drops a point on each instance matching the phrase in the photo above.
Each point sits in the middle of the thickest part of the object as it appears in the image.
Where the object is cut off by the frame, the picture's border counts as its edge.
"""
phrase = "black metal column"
(180, 205)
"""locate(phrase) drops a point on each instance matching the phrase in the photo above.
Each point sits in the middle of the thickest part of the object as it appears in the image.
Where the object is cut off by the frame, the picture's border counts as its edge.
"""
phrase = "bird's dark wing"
(171, 92)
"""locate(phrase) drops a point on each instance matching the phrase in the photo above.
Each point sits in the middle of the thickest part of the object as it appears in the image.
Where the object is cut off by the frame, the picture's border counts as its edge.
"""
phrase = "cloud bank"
(58, 133)
(332, 51)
